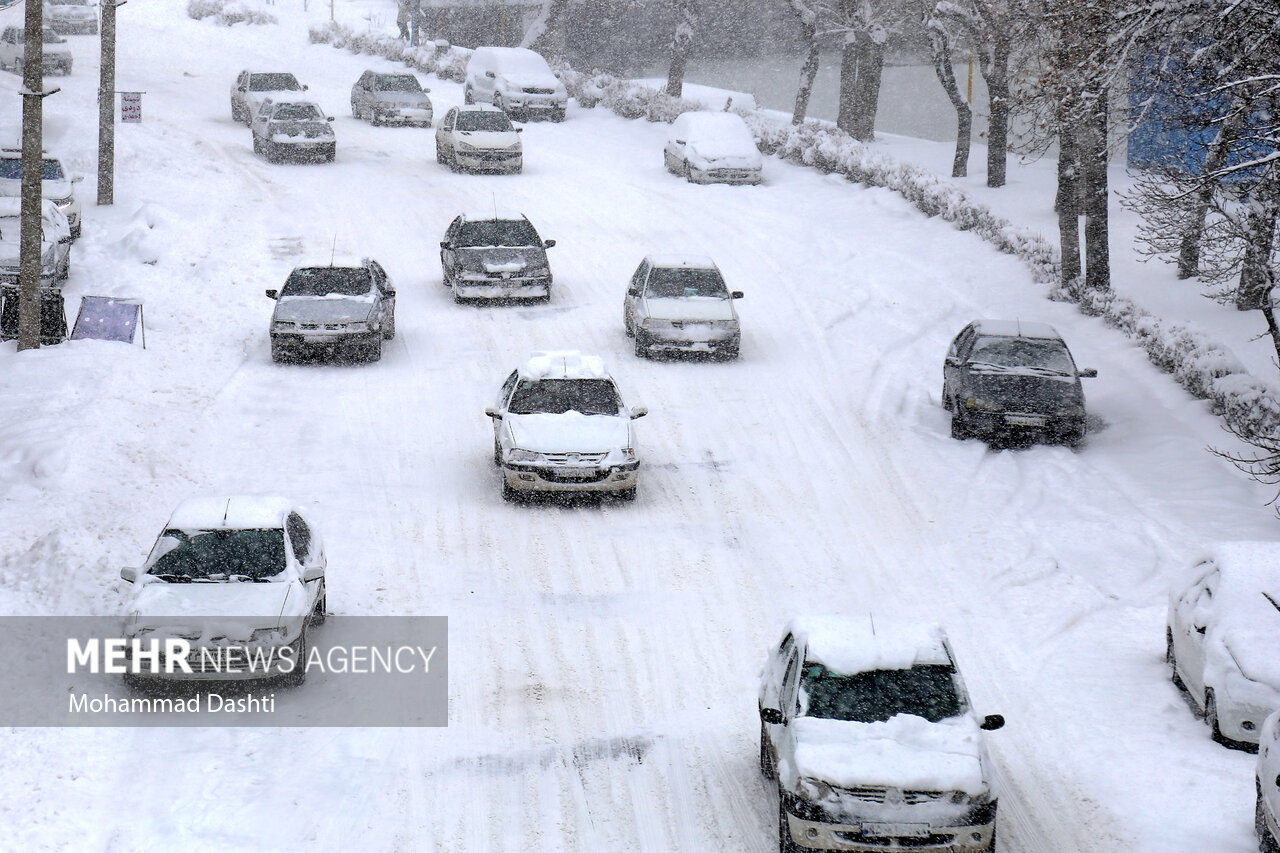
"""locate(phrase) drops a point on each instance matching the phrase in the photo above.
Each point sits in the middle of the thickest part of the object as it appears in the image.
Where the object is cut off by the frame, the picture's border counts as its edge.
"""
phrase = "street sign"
(130, 107)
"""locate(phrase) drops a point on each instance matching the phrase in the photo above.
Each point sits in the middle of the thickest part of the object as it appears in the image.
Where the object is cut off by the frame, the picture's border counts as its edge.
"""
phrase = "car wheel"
(453, 162)
(1266, 841)
(467, 96)
(299, 673)
(497, 453)
(642, 347)
(785, 844)
(558, 115)
(389, 330)
(626, 325)
(766, 756)
(946, 398)
(627, 494)
(509, 494)
(686, 171)
(278, 353)
(355, 110)
(991, 848)
(322, 604)
(75, 232)
(959, 430)
(1172, 659)
(1211, 717)
(375, 351)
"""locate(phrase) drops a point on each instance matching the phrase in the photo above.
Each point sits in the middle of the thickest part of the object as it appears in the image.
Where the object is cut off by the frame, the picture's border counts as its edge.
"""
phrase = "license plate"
(1024, 420)
(896, 830)
(576, 472)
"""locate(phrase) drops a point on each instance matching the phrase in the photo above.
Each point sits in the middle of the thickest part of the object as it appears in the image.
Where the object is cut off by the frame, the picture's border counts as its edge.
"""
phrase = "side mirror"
(425, 89)
(328, 118)
(305, 88)
(1089, 373)
(772, 716)
(129, 575)
(518, 129)
(547, 244)
(951, 361)
(490, 75)
(639, 412)
(680, 142)
(273, 294)
(737, 294)
(312, 573)
(991, 722)
(493, 413)
(445, 244)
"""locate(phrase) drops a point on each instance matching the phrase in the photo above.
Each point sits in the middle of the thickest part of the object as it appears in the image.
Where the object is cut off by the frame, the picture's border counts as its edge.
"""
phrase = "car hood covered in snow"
(496, 260)
(696, 308)
(233, 609)
(904, 752)
(569, 432)
(324, 309)
(491, 139)
(1027, 391)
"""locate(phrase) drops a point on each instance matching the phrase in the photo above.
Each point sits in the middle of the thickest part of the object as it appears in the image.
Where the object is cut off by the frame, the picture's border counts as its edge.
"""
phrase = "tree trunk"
(964, 115)
(867, 96)
(807, 72)
(996, 75)
(848, 86)
(680, 41)
(547, 35)
(1255, 267)
(1189, 249)
(1093, 161)
(1068, 209)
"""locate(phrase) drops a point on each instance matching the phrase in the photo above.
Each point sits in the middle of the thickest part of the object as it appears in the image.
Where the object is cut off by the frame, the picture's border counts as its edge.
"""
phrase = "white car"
(13, 51)
(293, 131)
(868, 730)
(479, 138)
(1222, 633)
(1266, 815)
(679, 303)
(251, 88)
(56, 184)
(561, 426)
(517, 80)
(708, 147)
(241, 579)
(72, 16)
(55, 243)
(393, 97)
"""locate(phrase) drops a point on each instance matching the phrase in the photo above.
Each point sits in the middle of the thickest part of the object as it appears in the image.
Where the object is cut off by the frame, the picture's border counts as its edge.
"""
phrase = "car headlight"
(732, 325)
(981, 405)
(269, 637)
(466, 146)
(283, 326)
(654, 323)
(519, 455)
(629, 454)
(814, 790)
(539, 272)
(360, 326)
(61, 203)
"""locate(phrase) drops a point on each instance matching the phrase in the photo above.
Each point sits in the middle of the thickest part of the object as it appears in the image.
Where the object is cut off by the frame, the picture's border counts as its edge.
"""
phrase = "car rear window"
(667, 283)
(274, 83)
(396, 83)
(324, 281)
(498, 232)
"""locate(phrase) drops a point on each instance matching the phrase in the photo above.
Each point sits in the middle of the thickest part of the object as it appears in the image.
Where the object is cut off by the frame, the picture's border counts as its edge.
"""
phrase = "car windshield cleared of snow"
(927, 691)
(219, 555)
(274, 83)
(557, 396)
(677, 283)
(11, 169)
(297, 112)
(498, 232)
(323, 281)
(495, 122)
(396, 83)
(1041, 354)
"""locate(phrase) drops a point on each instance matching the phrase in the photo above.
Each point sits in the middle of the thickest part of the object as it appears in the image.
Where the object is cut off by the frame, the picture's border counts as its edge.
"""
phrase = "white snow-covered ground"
(603, 657)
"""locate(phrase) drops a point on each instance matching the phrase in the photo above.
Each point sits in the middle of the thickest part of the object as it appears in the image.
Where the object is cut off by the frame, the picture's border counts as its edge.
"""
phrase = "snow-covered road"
(603, 657)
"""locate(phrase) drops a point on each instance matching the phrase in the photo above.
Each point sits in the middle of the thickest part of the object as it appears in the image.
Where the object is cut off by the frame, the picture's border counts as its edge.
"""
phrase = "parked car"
(560, 425)
(1266, 814)
(710, 148)
(495, 255)
(1007, 378)
(71, 16)
(347, 305)
(57, 54)
(240, 578)
(55, 243)
(1221, 638)
(870, 735)
(679, 303)
(293, 131)
(516, 80)
(251, 88)
(384, 97)
(479, 138)
(56, 184)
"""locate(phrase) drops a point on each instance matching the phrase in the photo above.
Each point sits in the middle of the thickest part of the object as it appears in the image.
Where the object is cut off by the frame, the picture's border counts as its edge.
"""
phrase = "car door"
(1269, 770)
(953, 364)
(1191, 616)
(635, 288)
(500, 434)
(238, 90)
(788, 703)
(448, 256)
(386, 293)
(258, 124)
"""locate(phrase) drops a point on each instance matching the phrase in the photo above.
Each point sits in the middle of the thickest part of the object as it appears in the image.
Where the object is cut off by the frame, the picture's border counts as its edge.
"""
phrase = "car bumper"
(326, 341)
(478, 161)
(724, 176)
(298, 152)
(218, 665)
(406, 116)
(692, 337)
(879, 837)
(535, 104)
(1024, 423)
(541, 478)
(89, 25)
(1240, 722)
(48, 279)
(58, 64)
(524, 288)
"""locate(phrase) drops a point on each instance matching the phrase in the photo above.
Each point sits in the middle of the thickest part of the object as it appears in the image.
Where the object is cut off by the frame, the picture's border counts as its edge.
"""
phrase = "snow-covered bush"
(227, 12)
(434, 57)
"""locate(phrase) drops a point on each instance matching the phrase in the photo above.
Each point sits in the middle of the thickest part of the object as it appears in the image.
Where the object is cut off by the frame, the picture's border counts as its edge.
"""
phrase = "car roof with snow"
(494, 215)
(1248, 588)
(563, 364)
(1016, 329)
(338, 260)
(237, 512)
(850, 645)
(674, 261)
(711, 121)
(479, 108)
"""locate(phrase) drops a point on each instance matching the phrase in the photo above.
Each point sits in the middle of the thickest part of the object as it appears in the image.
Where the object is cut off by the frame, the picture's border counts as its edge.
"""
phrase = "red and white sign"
(130, 107)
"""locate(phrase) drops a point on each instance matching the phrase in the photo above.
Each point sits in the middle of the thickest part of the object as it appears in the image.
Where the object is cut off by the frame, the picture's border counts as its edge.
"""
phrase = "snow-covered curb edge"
(1203, 367)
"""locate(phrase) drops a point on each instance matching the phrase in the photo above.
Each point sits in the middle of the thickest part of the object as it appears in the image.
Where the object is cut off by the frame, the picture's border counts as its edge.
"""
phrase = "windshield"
(297, 112)
(498, 232)
(490, 121)
(927, 691)
(219, 555)
(274, 83)
(1044, 353)
(322, 281)
(11, 169)
(675, 283)
(50, 37)
(396, 83)
(556, 396)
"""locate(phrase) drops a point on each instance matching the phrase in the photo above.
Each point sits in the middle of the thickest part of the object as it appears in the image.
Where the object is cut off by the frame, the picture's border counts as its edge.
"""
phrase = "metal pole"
(107, 106)
(30, 231)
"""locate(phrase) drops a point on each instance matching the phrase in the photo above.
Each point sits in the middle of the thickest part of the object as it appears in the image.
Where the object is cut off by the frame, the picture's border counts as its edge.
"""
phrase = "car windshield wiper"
(249, 578)
(990, 366)
(172, 578)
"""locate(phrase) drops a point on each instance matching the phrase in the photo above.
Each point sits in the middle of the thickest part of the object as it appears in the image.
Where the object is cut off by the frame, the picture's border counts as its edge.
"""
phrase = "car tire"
(75, 232)
(685, 171)
(509, 494)
(558, 115)
(299, 674)
(767, 768)
(642, 348)
(991, 848)
(1266, 841)
(627, 495)
(785, 844)
(322, 604)
(959, 430)
(1172, 659)
(278, 353)
(497, 454)
(626, 325)
(1211, 717)
(389, 329)
(375, 351)
(946, 399)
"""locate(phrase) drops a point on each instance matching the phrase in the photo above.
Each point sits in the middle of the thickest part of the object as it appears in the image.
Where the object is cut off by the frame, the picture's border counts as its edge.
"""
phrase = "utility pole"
(31, 229)
(107, 105)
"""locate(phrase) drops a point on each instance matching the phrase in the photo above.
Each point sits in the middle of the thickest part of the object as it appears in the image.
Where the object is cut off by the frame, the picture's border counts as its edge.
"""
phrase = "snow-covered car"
(56, 184)
(711, 148)
(1008, 378)
(479, 138)
(241, 579)
(251, 88)
(394, 97)
(1221, 637)
(55, 242)
(1266, 815)
(293, 131)
(679, 303)
(71, 16)
(869, 732)
(495, 255)
(344, 306)
(516, 80)
(561, 426)
(56, 57)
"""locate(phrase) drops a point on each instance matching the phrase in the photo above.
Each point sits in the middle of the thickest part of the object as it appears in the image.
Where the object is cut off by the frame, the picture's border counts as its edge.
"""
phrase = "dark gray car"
(391, 98)
(1010, 379)
(333, 310)
(495, 256)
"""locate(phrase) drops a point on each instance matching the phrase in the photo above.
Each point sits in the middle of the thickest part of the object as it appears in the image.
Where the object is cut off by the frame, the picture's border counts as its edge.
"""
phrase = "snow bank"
(851, 646)
(228, 12)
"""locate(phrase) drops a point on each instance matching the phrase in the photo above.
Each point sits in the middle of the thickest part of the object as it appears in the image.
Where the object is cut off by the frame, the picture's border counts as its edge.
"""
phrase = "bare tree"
(548, 33)
(807, 12)
(867, 26)
(941, 38)
(681, 39)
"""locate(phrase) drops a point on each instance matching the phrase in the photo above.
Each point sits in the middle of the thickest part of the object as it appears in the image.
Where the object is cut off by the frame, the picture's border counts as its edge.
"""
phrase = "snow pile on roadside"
(228, 12)
(449, 62)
